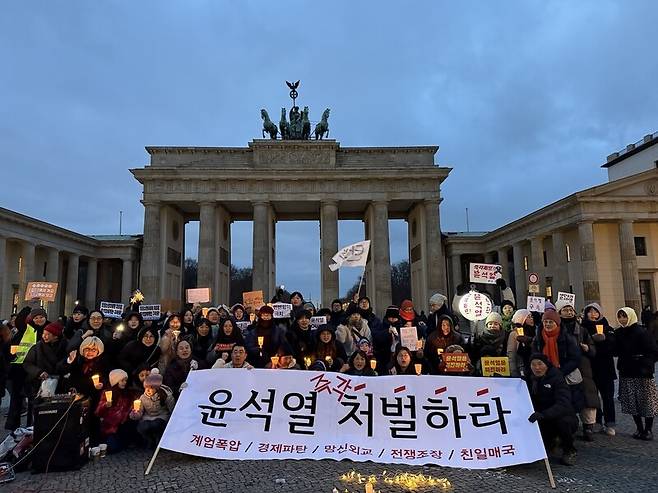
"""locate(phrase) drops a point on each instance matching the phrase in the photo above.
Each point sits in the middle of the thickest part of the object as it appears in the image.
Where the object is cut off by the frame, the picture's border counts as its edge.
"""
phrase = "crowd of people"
(133, 370)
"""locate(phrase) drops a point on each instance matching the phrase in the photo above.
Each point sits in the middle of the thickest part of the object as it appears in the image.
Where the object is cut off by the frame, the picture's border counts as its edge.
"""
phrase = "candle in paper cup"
(176, 333)
(439, 351)
(137, 405)
(599, 329)
(261, 340)
(373, 363)
(308, 362)
(96, 379)
(519, 331)
(108, 396)
(418, 368)
(275, 361)
(13, 349)
(419, 344)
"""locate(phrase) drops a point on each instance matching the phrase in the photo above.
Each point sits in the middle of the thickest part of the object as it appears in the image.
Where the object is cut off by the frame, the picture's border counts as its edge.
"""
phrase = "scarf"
(550, 346)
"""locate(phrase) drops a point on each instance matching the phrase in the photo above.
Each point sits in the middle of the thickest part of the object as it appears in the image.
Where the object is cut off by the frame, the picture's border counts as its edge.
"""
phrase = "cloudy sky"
(525, 99)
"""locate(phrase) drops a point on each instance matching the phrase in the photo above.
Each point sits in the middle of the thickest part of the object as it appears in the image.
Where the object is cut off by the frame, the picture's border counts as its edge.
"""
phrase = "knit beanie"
(91, 342)
(392, 312)
(542, 357)
(54, 328)
(116, 376)
(551, 315)
(438, 299)
(154, 379)
(494, 317)
(559, 304)
(520, 316)
(266, 309)
(81, 309)
(36, 312)
(407, 310)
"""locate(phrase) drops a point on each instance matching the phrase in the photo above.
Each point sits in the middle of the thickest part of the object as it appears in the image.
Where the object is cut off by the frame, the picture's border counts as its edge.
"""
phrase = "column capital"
(207, 203)
(150, 202)
(255, 203)
(329, 202)
(432, 201)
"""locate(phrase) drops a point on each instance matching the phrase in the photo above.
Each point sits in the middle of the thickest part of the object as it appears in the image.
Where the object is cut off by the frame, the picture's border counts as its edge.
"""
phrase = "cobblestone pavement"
(609, 464)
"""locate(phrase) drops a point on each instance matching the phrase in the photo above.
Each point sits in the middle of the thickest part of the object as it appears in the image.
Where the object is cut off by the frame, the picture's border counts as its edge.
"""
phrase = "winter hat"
(36, 312)
(318, 365)
(337, 301)
(494, 317)
(325, 328)
(81, 309)
(54, 328)
(506, 303)
(154, 379)
(116, 376)
(551, 315)
(285, 349)
(407, 310)
(454, 348)
(438, 299)
(549, 306)
(541, 357)
(392, 312)
(559, 304)
(304, 314)
(630, 313)
(266, 309)
(309, 306)
(92, 342)
(520, 316)
(236, 306)
(596, 307)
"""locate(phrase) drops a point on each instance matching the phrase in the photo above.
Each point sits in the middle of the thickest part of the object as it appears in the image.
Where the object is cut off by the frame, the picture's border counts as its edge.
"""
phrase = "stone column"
(5, 302)
(434, 259)
(537, 261)
(71, 283)
(261, 249)
(456, 263)
(520, 275)
(328, 248)
(90, 291)
(590, 271)
(629, 274)
(379, 281)
(207, 253)
(52, 275)
(126, 280)
(151, 268)
(28, 254)
(222, 254)
(504, 263)
(560, 267)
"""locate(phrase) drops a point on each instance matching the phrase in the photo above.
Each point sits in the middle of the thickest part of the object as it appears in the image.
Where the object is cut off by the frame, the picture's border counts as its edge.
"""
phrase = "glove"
(535, 417)
(598, 337)
(194, 365)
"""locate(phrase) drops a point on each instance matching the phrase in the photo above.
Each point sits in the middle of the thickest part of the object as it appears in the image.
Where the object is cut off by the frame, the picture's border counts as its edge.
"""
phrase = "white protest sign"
(485, 273)
(536, 304)
(281, 310)
(409, 338)
(243, 326)
(568, 298)
(111, 310)
(150, 312)
(474, 423)
(317, 321)
(355, 255)
(475, 306)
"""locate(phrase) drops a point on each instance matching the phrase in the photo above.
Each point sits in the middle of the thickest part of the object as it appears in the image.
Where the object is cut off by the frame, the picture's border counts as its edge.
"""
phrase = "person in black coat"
(637, 352)
(143, 350)
(272, 334)
(438, 308)
(229, 335)
(94, 327)
(384, 338)
(177, 370)
(41, 360)
(77, 321)
(337, 313)
(300, 337)
(328, 350)
(201, 339)
(364, 307)
(359, 365)
(553, 411)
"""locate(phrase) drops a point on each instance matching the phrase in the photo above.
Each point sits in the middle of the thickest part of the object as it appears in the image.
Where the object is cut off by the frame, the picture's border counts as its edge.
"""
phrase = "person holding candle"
(328, 350)
(42, 358)
(403, 362)
(144, 349)
(519, 343)
(272, 334)
(228, 336)
(95, 327)
(603, 365)
(113, 409)
(182, 364)
(157, 404)
(637, 354)
(300, 337)
(386, 337)
(133, 323)
(441, 338)
(238, 359)
(360, 364)
(287, 359)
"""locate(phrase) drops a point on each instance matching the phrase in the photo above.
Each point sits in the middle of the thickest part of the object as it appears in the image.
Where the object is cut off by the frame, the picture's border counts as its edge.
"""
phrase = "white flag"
(354, 255)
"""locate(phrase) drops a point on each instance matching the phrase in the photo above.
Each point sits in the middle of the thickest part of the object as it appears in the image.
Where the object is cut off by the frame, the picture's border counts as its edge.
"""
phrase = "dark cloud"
(525, 98)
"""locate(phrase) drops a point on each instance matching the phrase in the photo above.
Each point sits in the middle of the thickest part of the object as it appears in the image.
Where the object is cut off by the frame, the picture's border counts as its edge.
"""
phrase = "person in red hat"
(409, 318)
(42, 358)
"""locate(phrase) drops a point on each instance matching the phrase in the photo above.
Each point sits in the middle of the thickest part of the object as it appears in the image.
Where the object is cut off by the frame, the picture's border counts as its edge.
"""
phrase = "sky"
(525, 99)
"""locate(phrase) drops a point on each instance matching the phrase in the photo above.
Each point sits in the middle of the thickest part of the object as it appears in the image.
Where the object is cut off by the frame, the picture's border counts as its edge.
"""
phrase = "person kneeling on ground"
(157, 404)
(551, 399)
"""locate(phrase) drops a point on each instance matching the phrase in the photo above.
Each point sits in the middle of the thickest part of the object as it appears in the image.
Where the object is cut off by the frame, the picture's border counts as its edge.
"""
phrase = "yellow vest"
(28, 340)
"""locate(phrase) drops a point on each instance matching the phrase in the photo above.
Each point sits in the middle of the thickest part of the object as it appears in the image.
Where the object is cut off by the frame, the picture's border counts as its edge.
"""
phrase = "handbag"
(574, 378)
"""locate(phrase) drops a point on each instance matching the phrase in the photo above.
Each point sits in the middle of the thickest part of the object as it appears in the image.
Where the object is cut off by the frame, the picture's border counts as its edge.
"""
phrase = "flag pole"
(358, 292)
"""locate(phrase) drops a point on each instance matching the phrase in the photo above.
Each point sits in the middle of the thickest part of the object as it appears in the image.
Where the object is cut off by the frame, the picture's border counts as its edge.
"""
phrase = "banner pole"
(361, 281)
(551, 480)
(155, 454)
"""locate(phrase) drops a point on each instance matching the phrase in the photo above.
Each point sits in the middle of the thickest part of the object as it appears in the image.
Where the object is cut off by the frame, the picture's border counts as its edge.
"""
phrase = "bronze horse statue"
(268, 126)
(284, 128)
(306, 124)
(322, 128)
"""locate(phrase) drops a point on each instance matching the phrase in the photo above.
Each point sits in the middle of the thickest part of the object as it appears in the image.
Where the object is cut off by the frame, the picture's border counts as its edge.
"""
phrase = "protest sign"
(568, 298)
(318, 321)
(243, 326)
(536, 304)
(495, 366)
(455, 362)
(355, 255)
(281, 310)
(150, 312)
(252, 299)
(41, 290)
(112, 310)
(485, 273)
(475, 306)
(198, 295)
(409, 338)
(474, 423)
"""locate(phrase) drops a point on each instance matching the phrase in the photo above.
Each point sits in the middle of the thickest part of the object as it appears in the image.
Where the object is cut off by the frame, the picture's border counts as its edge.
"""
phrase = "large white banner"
(469, 422)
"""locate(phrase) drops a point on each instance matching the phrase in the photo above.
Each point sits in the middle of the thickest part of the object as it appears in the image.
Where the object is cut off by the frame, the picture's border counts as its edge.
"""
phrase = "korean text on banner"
(355, 255)
(150, 312)
(474, 423)
(492, 366)
(409, 338)
(252, 299)
(281, 310)
(318, 321)
(536, 304)
(568, 298)
(112, 310)
(475, 306)
(41, 290)
(456, 362)
(198, 295)
(485, 273)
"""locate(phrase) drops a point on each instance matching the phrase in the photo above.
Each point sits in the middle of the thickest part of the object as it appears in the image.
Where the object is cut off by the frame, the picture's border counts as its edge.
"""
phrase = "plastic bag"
(48, 387)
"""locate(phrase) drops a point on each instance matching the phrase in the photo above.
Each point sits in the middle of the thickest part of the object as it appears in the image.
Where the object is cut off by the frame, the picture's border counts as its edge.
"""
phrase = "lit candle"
(373, 363)
(307, 360)
(13, 349)
(176, 333)
(137, 405)
(96, 379)
(119, 328)
(261, 340)
(275, 361)
(439, 351)
(519, 331)
(418, 368)
(419, 344)
(369, 488)
(108, 396)
(599, 329)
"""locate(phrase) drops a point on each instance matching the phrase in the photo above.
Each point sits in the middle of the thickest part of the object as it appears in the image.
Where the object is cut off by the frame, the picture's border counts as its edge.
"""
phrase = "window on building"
(568, 252)
(640, 246)
(525, 262)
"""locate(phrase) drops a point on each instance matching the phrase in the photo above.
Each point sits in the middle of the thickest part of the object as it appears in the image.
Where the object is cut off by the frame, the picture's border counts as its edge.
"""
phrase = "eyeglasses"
(96, 318)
